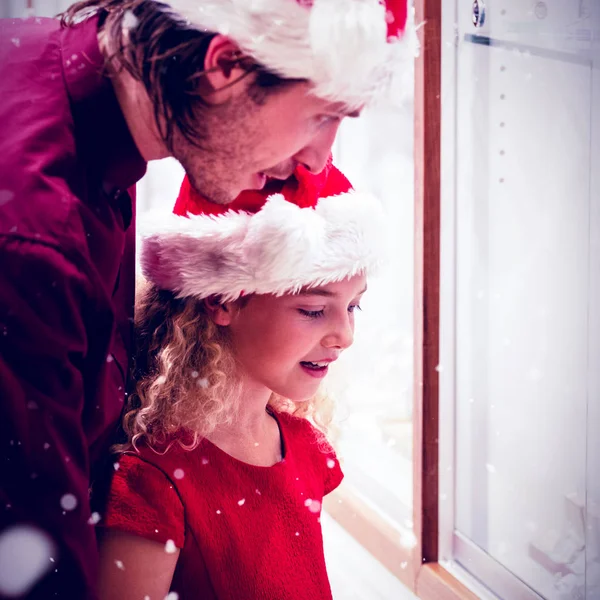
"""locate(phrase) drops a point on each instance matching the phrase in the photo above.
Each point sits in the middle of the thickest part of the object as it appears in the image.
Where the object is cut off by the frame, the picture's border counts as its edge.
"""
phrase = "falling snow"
(172, 596)
(178, 474)
(116, 466)
(203, 383)
(490, 468)
(120, 565)
(204, 461)
(330, 463)
(94, 518)
(170, 547)
(68, 502)
(314, 506)
(130, 21)
(25, 556)
(109, 358)
(241, 502)
(408, 539)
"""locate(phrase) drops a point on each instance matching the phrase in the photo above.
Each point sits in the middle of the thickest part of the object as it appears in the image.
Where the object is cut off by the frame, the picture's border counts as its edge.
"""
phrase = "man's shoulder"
(37, 145)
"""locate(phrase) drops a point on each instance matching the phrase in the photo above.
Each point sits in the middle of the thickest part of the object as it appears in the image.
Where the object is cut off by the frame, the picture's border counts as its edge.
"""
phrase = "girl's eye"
(313, 314)
(354, 307)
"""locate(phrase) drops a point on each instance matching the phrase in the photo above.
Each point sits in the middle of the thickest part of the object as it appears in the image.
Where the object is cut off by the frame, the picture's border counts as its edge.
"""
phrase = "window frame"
(419, 567)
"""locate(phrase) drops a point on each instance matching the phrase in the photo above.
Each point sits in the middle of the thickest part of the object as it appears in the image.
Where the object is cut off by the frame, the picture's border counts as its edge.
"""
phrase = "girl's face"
(286, 343)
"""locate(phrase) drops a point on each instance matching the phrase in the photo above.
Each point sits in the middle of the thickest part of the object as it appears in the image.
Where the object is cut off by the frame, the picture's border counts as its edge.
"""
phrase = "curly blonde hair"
(186, 376)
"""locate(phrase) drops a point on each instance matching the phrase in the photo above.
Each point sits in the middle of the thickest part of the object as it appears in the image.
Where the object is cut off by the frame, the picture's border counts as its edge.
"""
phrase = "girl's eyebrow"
(317, 291)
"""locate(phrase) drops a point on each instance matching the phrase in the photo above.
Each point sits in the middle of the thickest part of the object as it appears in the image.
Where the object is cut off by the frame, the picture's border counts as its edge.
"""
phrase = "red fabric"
(303, 188)
(265, 543)
(397, 12)
(66, 283)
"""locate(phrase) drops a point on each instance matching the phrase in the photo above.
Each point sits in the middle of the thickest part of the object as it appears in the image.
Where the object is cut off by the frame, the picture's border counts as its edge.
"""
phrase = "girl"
(217, 493)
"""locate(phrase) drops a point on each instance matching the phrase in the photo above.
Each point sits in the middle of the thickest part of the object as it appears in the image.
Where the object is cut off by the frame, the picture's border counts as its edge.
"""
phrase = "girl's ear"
(220, 312)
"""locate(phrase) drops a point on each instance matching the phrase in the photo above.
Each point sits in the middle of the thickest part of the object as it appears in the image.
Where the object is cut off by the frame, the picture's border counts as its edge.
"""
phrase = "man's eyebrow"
(343, 109)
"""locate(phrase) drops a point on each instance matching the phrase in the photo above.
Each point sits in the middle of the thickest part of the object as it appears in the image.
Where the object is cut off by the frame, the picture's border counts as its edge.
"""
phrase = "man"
(239, 92)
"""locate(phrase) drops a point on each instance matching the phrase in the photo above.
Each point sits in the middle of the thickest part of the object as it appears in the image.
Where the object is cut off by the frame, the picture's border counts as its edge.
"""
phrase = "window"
(520, 288)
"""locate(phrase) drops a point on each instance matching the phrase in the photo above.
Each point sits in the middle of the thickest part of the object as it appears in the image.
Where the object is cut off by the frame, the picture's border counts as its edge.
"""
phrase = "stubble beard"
(227, 149)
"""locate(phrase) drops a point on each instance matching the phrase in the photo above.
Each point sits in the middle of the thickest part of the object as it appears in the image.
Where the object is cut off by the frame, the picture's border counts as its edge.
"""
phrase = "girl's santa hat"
(307, 231)
(349, 49)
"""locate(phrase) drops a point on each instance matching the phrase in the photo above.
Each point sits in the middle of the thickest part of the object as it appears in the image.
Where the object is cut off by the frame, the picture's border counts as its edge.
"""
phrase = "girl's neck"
(254, 436)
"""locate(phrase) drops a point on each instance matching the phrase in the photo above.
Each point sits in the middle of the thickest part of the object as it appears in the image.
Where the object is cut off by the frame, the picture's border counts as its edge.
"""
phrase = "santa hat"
(349, 49)
(307, 231)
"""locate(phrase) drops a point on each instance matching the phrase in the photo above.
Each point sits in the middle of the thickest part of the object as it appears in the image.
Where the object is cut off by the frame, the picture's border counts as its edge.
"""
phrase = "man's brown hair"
(165, 53)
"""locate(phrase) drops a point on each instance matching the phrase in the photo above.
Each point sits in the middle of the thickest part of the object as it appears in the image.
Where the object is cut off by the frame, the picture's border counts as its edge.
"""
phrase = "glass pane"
(374, 378)
(524, 277)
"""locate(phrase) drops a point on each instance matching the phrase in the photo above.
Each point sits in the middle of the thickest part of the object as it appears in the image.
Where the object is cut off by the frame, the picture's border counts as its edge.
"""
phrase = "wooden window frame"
(417, 566)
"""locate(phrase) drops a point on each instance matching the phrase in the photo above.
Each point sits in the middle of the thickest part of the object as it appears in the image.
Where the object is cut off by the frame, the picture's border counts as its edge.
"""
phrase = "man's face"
(246, 142)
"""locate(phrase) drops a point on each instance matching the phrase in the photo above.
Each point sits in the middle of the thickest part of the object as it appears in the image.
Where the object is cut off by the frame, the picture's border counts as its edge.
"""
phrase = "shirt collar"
(101, 132)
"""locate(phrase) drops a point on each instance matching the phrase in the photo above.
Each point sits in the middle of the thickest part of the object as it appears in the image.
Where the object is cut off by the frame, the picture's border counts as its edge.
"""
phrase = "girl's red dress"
(245, 532)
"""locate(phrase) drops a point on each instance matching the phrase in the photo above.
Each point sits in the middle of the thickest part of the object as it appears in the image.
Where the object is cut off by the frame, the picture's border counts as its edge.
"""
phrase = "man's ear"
(222, 70)
(221, 313)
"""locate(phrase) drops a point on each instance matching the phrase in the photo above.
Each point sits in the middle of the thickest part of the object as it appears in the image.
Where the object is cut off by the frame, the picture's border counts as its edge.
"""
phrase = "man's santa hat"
(307, 231)
(349, 49)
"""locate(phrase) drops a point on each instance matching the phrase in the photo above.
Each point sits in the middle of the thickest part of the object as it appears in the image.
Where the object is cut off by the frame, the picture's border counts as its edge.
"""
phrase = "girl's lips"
(317, 373)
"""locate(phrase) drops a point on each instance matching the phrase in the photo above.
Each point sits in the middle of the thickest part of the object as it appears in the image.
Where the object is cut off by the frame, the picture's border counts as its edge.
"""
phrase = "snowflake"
(178, 474)
(25, 557)
(314, 506)
(130, 21)
(94, 518)
(68, 502)
(241, 502)
(330, 463)
(170, 547)
(120, 565)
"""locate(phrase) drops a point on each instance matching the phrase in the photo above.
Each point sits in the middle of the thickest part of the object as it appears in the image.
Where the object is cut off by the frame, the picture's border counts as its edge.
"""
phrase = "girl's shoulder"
(172, 451)
(302, 428)
(310, 446)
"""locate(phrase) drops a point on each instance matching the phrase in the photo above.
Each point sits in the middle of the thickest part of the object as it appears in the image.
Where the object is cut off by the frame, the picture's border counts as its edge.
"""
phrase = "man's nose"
(315, 154)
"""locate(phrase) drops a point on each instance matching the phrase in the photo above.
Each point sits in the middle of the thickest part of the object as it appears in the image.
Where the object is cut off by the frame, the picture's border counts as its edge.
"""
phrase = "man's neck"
(135, 105)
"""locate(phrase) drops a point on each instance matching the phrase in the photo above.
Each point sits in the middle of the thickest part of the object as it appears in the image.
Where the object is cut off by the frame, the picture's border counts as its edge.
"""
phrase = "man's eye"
(323, 120)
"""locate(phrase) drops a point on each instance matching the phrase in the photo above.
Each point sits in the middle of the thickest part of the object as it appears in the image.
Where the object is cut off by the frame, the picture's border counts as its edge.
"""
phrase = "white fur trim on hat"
(341, 46)
(280, 249)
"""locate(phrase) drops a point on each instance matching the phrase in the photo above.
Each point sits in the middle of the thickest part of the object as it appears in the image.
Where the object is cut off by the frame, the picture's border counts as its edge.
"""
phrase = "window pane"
(525, 270)
(373, 381)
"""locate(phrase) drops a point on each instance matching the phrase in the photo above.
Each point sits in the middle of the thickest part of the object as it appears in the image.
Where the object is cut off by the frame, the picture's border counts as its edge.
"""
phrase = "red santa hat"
(307, 231)
(349, 49)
